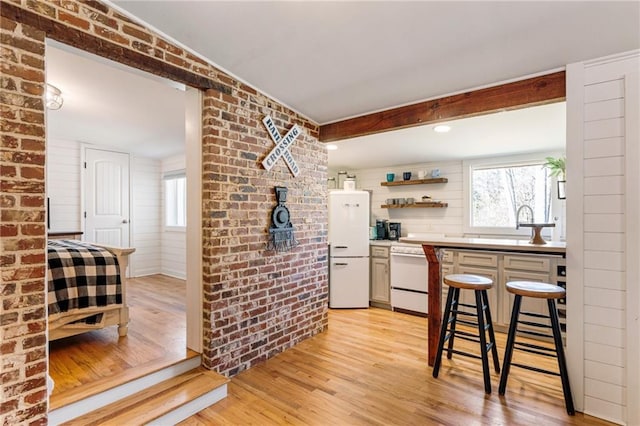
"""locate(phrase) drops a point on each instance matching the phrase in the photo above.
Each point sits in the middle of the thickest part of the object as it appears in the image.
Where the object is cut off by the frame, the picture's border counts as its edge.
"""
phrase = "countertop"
(386, 243)
(491, 244)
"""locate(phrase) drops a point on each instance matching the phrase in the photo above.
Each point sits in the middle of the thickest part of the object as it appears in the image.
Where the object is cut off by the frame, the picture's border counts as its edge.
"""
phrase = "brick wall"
(257, 303)
(22, 225)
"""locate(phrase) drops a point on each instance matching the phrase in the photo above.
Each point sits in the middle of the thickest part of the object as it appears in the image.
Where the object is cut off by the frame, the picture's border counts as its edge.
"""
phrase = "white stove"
(409, 275)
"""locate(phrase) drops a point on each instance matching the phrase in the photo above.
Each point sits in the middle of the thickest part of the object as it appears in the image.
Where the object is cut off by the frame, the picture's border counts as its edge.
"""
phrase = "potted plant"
(557, 166)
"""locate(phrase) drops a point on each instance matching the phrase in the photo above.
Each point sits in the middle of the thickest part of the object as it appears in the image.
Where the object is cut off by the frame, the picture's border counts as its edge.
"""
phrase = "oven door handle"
(421, 256)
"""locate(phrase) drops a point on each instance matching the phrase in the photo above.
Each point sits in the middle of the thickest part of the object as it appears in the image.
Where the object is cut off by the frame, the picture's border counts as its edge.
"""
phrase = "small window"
(175, 200)
(497, 190)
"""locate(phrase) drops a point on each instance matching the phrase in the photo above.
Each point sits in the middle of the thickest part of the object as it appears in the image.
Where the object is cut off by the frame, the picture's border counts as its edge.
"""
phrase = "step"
(168, 402)
(157, 370)
(71, 405)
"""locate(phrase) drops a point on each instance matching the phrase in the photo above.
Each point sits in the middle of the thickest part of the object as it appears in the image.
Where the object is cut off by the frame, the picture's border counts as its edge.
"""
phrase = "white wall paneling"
(604, 279)
(605, 335)
(604, 391)
(63, 185)
(613, 108)
(603, 210)
(446, 220)
(632, 158)
(603, 185)
(604, 373)
(174, 242)
(604, 204)
(146, 218)
(608, 241)
(603, 147)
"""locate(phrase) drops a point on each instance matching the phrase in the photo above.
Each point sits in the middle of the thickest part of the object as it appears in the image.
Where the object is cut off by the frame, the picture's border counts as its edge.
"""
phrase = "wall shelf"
(415, 182)
(414, 206)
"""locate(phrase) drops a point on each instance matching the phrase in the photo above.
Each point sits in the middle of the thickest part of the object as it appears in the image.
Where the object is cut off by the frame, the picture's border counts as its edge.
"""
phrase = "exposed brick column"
(258, 303)
(22, 226)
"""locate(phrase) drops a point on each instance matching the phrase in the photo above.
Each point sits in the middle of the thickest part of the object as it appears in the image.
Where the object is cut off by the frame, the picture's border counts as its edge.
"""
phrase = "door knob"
(125, 221)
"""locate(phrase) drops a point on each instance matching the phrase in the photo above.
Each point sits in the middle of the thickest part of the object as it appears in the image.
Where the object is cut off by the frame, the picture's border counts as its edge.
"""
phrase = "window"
(175, 199)
(496, 189)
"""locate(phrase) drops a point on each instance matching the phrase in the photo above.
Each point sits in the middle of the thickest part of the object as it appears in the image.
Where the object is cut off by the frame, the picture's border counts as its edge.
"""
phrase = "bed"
(86, 287)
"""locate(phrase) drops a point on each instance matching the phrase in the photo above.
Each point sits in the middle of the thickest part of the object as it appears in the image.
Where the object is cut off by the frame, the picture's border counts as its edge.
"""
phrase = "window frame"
(531, 159)
(166, 177)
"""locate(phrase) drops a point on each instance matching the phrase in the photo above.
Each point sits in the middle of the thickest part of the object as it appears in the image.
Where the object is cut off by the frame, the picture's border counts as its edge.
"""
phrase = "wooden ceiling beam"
(101, 47)
(539, 90)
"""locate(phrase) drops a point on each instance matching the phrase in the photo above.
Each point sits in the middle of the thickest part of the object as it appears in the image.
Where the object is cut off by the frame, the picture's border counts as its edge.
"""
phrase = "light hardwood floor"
(101, 359)
(370, 368)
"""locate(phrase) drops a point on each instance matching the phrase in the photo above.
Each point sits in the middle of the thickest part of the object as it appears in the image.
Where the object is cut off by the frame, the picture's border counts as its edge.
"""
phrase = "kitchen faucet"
(518, 214)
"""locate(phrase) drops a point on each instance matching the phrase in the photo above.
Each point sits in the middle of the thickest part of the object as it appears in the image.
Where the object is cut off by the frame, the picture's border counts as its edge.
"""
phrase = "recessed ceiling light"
(332, 147)
(442, 128)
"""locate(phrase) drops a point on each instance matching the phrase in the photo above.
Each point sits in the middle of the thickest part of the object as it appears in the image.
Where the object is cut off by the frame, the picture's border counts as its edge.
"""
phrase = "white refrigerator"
(348, 249)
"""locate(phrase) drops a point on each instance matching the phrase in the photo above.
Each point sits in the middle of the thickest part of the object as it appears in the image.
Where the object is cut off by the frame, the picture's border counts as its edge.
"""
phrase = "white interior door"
(106, 197)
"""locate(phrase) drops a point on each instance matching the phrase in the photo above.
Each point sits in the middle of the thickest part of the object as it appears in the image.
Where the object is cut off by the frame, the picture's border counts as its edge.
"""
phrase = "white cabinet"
(468, 296)
(380, 291)
(478, 263)
(525, 268)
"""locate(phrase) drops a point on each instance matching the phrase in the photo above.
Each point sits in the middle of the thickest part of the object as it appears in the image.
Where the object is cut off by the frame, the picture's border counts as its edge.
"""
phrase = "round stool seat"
(536, 289)
(471, 282)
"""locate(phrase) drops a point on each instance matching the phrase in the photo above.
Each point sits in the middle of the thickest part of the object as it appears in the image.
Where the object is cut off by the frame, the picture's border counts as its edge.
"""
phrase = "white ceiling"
(112, 105)
(334, 60)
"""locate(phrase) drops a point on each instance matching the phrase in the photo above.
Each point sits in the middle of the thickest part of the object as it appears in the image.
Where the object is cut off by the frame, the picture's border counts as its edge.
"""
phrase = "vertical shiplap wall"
(145, 216)
(63, 185)
(446, 220)
(173, 242)
(599, 353)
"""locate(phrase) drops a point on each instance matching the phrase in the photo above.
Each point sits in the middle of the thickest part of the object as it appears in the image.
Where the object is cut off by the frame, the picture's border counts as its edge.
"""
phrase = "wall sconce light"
(53, 97)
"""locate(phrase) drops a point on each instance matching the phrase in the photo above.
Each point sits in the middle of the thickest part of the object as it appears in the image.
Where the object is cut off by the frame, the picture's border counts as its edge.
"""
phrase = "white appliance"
(348, 249)
(409, 275)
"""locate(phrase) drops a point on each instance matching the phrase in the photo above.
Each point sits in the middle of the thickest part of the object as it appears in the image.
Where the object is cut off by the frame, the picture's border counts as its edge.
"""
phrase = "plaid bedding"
(81, 275)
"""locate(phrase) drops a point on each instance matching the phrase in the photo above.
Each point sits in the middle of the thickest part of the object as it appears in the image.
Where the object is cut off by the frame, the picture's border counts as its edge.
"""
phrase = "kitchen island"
(433, 250)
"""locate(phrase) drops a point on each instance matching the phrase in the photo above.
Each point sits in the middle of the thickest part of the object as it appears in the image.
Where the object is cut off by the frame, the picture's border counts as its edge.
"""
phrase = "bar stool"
(542, 291)
(482, 314)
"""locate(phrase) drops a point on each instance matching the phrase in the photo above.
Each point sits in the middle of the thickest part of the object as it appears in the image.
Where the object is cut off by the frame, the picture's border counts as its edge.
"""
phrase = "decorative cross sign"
(282, 146)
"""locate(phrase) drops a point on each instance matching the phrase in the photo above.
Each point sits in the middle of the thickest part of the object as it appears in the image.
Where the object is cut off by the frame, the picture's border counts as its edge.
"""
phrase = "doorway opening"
(110, 108)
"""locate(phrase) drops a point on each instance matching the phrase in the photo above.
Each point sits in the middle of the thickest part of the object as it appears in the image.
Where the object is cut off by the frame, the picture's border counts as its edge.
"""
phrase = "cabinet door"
(474, 258)
(379, 251)
(468, 296)
(527, 263)
(380, 288)
(529, 304)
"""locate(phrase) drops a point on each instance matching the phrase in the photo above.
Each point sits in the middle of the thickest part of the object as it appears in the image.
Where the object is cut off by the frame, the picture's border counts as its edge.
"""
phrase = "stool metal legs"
(443, 333)
(562, 364)
(559, 350)
(454, 308)
(484, 322)
(508, 351)
(492, 336)
(483, 342)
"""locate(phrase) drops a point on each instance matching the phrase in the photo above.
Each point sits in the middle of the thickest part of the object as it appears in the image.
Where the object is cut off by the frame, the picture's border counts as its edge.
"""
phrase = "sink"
(536, 228)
